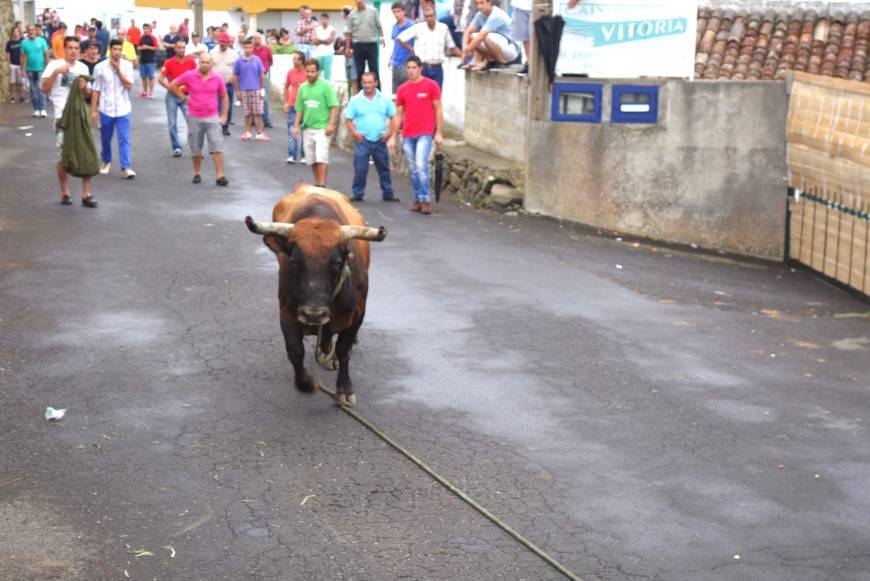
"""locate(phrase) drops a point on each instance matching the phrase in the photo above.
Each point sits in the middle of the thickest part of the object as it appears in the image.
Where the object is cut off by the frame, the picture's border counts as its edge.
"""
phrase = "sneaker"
(104, 168)
(36, 113)
(12, 100)
(245, 136)
(425, 208)
(43, 114)
(225, 131)
(197, 179)
(222, 181)
(356, 199)
(523, 72)
(176, 153)
(291, 160)
(128, 173)
(262, 137)
(416, 207)
(391, 199)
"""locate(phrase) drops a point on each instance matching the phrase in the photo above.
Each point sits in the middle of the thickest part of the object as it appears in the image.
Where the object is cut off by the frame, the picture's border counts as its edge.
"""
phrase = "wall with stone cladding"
(711, 172)
(496, 106)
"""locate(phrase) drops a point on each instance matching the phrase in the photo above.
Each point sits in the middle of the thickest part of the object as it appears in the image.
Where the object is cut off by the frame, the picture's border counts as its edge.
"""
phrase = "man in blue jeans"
(34, 56)
(367, 117)
(419, 114)
(295, 78)
(113, 79)
(172, 69)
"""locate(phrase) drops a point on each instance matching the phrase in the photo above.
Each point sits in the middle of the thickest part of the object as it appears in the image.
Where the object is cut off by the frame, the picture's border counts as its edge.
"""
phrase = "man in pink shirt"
(264, 53)
(204, 87)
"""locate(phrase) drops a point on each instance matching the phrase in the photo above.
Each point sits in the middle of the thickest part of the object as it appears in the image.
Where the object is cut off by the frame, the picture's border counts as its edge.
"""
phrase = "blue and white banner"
(628, 38)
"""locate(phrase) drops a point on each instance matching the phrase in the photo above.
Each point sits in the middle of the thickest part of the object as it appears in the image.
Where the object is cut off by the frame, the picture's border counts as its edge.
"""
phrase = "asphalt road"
(685, 416)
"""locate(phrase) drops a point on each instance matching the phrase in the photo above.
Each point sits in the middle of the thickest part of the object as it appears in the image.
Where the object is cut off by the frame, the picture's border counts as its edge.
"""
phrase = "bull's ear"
(276, 244)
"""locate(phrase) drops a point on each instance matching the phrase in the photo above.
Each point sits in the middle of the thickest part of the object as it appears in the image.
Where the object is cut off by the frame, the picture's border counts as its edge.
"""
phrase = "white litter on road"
(52, 414)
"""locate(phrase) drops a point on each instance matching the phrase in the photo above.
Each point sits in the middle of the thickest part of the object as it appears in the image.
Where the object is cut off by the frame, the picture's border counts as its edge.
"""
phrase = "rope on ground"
(443, 481)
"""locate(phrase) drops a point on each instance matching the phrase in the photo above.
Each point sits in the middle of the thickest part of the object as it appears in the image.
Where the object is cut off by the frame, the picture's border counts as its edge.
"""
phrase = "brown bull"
(321, 242)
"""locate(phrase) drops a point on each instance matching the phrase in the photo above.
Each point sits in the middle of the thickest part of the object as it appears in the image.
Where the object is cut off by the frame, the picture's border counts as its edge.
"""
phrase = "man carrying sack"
(66, 82)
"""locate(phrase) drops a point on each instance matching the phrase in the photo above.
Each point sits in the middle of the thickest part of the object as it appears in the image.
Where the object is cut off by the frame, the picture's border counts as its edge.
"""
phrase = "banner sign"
(628, 38)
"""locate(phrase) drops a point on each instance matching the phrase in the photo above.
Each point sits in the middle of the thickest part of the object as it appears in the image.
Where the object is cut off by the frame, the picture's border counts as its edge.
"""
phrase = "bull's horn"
(364, 233)
(278, 228)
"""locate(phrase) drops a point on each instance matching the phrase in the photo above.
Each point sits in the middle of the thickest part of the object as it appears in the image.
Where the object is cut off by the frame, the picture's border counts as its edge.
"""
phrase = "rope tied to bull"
(346, 408)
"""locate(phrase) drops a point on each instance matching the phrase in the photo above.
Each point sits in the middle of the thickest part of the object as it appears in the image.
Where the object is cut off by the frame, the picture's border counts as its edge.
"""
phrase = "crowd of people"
(205, 75)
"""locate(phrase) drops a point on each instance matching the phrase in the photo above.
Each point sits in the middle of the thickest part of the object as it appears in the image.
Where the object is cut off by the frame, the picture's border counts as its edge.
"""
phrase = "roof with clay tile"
(764, 45)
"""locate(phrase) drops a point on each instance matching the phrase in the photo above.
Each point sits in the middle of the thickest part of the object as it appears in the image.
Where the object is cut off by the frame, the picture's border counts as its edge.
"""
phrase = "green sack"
(79, 154)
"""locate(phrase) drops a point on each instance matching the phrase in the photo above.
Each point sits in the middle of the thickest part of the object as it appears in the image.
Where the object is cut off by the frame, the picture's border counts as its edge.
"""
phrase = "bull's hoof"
(346, 399)
(306, 384)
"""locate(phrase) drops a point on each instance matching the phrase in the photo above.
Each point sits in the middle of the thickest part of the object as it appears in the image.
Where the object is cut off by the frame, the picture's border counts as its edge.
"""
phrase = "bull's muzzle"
(314, 316)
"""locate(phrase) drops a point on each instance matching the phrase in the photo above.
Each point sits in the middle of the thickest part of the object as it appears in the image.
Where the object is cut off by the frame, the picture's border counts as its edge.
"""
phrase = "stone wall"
(496, 105)
(711, 172)
(481, 179)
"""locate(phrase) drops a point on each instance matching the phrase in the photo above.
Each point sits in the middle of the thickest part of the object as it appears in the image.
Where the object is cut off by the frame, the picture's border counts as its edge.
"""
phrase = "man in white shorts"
(521, 28)
(316, 113)
(488, 38)
(13, 55)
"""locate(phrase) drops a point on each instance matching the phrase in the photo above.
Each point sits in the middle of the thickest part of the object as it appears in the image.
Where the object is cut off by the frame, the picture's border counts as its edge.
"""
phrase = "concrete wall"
(496, 103)
(710, 173)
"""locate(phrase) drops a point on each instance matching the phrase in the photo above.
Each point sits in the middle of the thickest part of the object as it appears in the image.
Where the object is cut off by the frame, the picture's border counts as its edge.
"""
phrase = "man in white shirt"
(113, 79)
(57, 78)
(223, 58)
(196, 47)
(432, 43)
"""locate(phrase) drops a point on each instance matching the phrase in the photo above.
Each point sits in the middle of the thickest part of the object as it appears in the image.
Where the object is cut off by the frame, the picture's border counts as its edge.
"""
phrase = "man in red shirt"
(172, 69)
(263, 52)
(134, 35)
(184, 28)
(295, 77)
(418, 103)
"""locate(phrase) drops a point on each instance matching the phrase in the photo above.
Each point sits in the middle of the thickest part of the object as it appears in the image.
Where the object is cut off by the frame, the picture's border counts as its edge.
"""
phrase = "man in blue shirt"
(102, 35)
(367, 117)
(488, 38)
(400, 53)
(34, 57)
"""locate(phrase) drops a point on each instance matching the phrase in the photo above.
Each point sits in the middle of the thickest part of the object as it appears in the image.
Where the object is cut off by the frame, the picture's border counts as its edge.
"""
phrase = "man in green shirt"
(316, 112)
(34, 56)
(361, 38)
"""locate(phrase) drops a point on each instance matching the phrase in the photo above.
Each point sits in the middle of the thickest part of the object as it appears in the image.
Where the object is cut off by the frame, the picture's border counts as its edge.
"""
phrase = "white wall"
(79, 11)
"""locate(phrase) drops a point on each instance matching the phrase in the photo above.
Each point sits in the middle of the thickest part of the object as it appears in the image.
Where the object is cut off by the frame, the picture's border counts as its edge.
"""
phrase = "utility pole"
(198, 18)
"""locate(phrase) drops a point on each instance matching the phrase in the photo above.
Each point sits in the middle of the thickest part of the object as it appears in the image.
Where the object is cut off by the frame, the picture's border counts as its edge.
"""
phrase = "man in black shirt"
(170, 39)
(148, 47)
(16, 76)
(93, 55)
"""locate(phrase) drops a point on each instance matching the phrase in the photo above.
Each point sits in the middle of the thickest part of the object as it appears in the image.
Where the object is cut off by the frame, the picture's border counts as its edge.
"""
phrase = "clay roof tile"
(735, 44)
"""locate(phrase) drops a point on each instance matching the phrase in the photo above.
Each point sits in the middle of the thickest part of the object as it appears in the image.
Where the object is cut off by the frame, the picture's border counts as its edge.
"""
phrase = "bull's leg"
(296, 352)
(343, 385)
(327, 357)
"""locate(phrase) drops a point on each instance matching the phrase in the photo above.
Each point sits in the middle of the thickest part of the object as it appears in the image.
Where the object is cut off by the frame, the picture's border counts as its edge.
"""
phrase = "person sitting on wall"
(488, 39)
